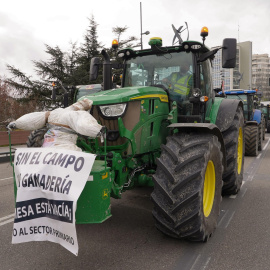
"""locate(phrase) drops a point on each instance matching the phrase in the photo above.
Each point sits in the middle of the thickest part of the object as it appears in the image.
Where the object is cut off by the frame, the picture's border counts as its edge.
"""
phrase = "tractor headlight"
(113, 110)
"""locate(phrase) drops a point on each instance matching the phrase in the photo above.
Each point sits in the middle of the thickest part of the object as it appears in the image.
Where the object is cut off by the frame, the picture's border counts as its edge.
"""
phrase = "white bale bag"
(60, 137)
(32, 121)
(64, 124)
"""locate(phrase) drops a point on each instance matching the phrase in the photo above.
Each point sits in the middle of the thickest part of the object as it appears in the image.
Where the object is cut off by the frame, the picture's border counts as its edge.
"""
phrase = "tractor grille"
(130, 119)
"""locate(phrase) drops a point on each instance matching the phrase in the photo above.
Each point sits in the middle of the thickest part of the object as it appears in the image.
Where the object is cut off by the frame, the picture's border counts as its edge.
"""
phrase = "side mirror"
(229, 53)
(94, 66)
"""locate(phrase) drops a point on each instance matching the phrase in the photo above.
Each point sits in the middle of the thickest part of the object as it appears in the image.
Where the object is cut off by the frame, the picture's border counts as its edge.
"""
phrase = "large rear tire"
(234, 144)
(187, 186)
(36, 137)
(260, 137)
(251, 140)
(263, 127)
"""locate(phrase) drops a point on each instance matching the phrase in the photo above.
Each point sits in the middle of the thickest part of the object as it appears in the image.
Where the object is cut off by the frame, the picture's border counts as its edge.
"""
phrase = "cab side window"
(205, 79)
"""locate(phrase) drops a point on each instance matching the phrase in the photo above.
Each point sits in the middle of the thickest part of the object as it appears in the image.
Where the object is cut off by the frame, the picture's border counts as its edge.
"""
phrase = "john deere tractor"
(175, 136)
(254, 120)
(188, 146)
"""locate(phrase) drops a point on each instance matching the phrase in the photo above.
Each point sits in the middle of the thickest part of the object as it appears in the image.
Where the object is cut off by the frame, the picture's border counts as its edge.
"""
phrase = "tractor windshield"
(85, 90)
(264, 110)
(171, 71)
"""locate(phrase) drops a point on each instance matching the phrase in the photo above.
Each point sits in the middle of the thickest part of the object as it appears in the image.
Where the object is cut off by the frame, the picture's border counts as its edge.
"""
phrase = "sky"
(27, 25)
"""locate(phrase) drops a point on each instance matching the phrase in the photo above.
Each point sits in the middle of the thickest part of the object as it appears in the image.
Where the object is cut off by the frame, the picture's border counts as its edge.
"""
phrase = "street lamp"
(145, 33)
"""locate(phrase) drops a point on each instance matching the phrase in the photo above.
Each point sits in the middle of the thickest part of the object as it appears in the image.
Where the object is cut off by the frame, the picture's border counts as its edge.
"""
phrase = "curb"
(5, 156)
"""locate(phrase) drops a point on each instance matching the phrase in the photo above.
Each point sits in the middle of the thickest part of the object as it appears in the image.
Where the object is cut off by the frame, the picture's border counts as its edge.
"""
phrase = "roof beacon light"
(204, 33)
(115, 44)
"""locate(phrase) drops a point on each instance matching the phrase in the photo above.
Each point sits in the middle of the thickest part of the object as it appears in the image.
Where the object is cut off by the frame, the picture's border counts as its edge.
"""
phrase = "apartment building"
(261, 74)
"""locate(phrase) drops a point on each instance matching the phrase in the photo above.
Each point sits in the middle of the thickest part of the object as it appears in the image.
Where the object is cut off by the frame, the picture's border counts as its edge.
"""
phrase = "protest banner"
(49, 183)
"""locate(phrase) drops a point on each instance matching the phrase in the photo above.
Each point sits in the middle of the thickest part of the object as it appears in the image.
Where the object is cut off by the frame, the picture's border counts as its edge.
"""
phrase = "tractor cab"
(248, 99)
(173, 72)
(183, 72)
(265, 109)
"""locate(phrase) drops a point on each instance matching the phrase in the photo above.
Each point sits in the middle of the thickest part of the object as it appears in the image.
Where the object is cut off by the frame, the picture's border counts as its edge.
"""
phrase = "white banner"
(49, 183)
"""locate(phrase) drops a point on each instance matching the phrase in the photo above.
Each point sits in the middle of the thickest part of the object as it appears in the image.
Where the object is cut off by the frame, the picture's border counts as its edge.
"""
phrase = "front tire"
(36, 137)
(234, 144)
(187, 186)
(251, 140)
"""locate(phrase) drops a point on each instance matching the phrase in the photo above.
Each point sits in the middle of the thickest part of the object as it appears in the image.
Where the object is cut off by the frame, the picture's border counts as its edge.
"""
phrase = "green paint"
(214, 110)
(122, 95)
(94, 204)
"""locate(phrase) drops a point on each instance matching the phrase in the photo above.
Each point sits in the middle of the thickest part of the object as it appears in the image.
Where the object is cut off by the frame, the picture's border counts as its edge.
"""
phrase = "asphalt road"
(129, 240)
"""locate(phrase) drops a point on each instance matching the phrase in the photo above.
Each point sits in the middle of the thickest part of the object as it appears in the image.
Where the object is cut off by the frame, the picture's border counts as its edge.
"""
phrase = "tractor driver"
(180, 83)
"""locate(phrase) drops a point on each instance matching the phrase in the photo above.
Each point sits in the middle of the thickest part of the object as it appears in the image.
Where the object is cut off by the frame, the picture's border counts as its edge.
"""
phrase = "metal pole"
(141, 23)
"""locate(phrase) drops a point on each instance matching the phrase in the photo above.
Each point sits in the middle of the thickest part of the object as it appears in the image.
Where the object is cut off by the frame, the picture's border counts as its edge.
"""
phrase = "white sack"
(80, 121)
(82, 105)
(83, 123)
(60, 139)
(75, 117)
(31, 121)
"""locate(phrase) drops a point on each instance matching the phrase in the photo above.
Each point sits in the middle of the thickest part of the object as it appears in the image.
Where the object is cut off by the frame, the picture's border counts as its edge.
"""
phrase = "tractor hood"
(127, 94)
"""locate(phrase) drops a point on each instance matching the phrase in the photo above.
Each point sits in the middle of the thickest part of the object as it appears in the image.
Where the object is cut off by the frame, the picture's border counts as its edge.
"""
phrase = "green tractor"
(188, 146)
(265, 109)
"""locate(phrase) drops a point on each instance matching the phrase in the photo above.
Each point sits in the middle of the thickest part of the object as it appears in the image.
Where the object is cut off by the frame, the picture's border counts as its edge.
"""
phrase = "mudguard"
(257, 116)
(203, 128)
(226, 113)
(250, 123)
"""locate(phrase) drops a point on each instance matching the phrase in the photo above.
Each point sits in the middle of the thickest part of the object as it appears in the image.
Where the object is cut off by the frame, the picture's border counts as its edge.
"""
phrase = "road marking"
(3, 179)
(206, 263)
(197, 259)
(226, 219)
(244, 192)
(6, 222)
(200, 263)
(7, 219)
(253, 167)
(229, 220)
(233, 196)
(226, 211)
(266, 145)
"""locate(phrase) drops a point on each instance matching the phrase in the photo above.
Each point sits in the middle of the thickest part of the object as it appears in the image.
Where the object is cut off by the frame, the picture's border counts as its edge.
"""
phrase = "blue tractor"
(254, 120)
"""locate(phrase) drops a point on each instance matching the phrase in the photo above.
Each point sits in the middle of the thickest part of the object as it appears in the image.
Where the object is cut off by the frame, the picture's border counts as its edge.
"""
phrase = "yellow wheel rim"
(240, 151)
(209, 188)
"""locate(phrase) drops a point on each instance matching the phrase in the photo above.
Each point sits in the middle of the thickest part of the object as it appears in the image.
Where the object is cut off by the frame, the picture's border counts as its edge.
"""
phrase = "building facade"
(261, 75)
